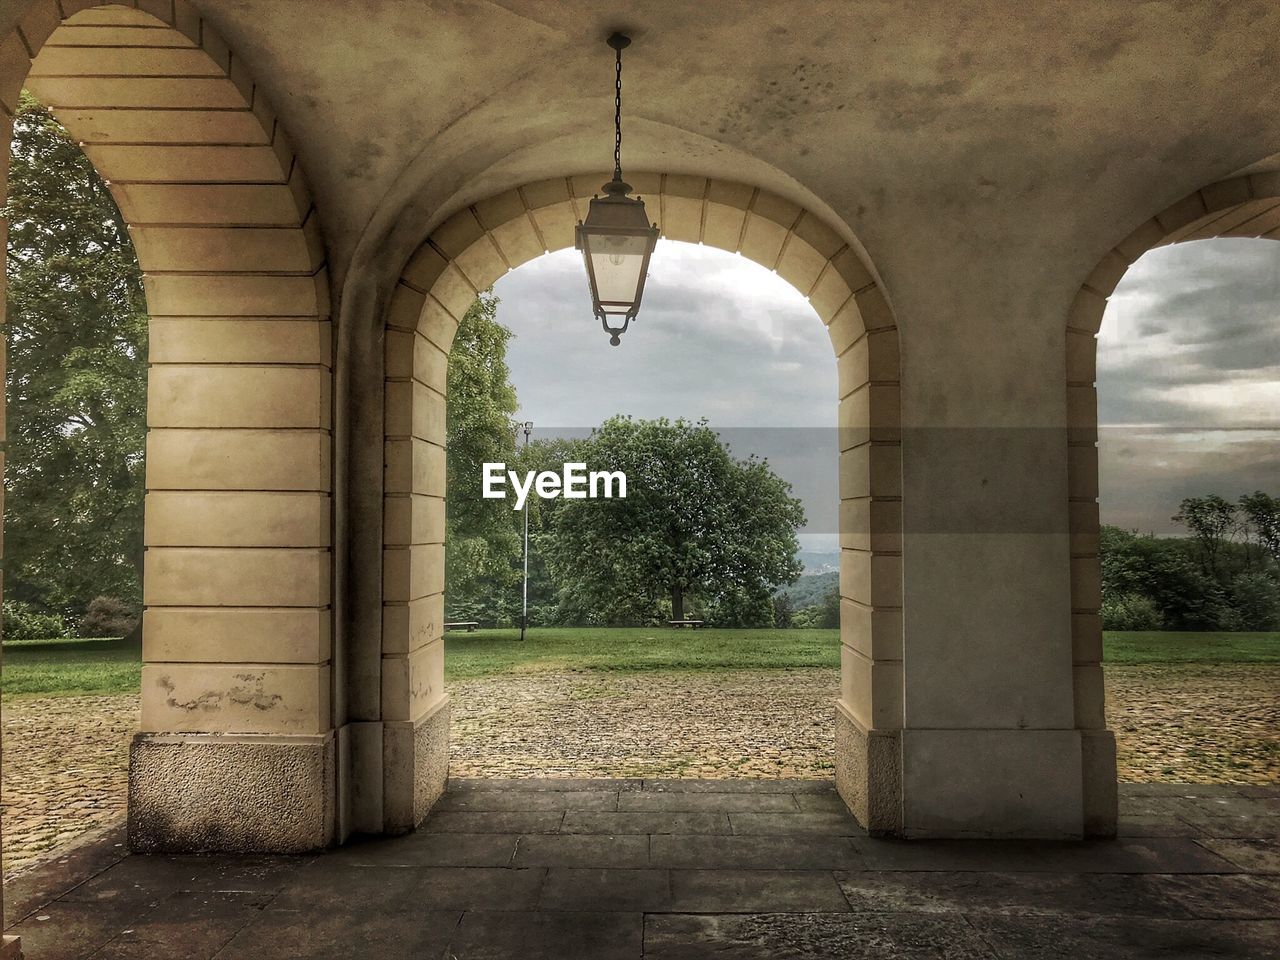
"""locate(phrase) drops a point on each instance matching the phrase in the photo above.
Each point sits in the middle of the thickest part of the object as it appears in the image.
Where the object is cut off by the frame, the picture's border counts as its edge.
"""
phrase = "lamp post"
(524, 590)
(617, 238)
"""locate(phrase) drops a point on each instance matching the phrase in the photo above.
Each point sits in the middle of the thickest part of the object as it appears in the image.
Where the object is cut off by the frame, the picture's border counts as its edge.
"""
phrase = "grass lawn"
(635, 650)
(1168, 647)
(101, 667)
(71, 667)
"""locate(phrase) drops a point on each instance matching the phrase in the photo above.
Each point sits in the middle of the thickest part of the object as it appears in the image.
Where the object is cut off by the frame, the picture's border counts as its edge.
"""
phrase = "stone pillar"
(236, 748)
(869, 711)
(990, 746)
(415, 708)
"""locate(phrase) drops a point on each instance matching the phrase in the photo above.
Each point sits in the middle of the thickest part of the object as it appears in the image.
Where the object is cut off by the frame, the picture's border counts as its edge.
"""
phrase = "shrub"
(22, 621)
(1255, 601)
(108, 617)
(1131, 611)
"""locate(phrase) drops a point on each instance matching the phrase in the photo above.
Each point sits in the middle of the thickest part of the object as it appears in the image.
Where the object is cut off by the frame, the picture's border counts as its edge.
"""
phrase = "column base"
(415, 767)
(869, 774)
(195, 793)
(1101, 800)
(985, 784)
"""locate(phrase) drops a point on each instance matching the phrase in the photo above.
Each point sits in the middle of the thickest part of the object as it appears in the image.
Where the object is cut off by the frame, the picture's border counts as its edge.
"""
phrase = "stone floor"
(65, 769)
(670, 869)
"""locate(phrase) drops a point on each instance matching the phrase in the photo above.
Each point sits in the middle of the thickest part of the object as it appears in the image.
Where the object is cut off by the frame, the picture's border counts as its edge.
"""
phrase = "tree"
(783, 611)
(830, 616)
(482, 537)
(1162, 570)
(1263, 515)
(1255, 602)
(77, 378)
(1209, 519)
(696, 526)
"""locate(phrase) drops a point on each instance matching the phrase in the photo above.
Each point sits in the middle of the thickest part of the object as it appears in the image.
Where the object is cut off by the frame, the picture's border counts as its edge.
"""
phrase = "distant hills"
(819, 561)
(811, 589)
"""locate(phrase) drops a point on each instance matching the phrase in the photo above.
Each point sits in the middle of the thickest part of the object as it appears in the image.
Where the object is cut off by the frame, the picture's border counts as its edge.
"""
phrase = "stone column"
(415, 707)
(236, 748)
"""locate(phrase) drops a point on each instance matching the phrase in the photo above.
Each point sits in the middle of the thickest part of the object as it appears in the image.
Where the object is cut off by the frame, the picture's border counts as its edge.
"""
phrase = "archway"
(236, 712)
(1241, 207)
(469, 252)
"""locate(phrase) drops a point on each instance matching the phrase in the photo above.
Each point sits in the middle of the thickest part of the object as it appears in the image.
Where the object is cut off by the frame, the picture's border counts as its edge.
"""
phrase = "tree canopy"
(482, 540)
(1225, 576)
(76, 378)
(697, 527)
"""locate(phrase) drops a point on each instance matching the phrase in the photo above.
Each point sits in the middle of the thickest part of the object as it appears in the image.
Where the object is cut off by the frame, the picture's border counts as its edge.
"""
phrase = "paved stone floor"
(606, 869)
(66, 757)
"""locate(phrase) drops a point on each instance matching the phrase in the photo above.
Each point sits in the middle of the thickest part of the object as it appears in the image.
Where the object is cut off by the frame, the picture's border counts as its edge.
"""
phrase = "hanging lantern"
(617, 238)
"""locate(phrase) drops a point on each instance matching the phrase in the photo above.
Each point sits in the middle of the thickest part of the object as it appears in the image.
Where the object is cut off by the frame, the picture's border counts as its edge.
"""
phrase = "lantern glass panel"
(617, 262)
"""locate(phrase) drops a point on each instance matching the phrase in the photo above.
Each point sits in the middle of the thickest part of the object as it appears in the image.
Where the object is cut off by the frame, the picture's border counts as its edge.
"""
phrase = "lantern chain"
(617, 119)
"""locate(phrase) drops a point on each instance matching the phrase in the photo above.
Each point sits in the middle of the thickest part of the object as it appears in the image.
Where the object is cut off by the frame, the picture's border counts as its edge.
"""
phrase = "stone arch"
(236, 748)
(471, 250)
(1247, 207)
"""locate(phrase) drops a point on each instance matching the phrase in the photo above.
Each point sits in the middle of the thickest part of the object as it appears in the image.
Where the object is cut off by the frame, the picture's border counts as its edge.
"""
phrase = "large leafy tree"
(696, 526)
(1210, 519)
(482, 540)
(77, 376)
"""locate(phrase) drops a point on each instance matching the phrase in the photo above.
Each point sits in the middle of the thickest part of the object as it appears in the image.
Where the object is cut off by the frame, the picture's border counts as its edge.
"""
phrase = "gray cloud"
(1189, 350)
(718, 337)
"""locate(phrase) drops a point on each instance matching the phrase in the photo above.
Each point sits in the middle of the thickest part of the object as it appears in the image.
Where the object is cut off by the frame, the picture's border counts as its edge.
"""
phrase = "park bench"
(695, 624)
(459, 624)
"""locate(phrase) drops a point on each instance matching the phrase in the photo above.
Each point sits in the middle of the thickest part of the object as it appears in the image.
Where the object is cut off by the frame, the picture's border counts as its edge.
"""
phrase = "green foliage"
(1209, 519)
(783, 611)
(108, 617)
(77, 336)
(23, 622)
(831, 610)
(823, 615)
(1165, 571)
(1262, 520)
(483, 538)
(1130, 611)
(815, 598)
(811, 589)
(1224, 577)
(1255, 602)
(696, 526)
(546, 606)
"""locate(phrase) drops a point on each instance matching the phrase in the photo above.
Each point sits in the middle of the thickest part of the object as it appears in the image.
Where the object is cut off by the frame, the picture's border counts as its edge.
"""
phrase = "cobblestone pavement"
(1196, 723)
(65, 770)
(65, 759)
(751, 723)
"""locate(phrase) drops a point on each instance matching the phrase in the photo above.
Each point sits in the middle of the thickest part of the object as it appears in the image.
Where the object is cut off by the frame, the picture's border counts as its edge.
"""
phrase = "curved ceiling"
(992, 122)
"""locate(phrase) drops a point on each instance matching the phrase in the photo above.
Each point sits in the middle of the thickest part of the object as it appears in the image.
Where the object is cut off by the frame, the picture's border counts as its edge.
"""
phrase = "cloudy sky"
(1189, 369)
(718, 337)
(1189, 380)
